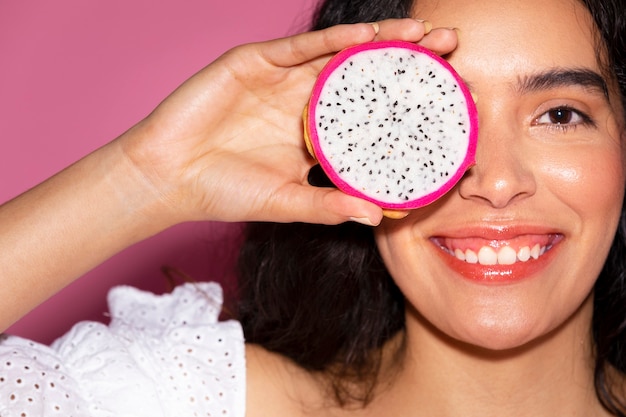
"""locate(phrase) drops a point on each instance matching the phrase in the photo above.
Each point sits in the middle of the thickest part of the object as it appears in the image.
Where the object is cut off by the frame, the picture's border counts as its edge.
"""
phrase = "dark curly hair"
(322, 296)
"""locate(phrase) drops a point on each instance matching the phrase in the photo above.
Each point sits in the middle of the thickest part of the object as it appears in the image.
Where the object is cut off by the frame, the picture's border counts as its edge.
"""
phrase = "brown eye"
(560, 115)
(563, 116)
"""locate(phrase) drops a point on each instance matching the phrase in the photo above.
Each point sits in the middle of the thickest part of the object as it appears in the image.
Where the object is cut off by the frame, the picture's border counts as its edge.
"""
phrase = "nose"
(502, 174)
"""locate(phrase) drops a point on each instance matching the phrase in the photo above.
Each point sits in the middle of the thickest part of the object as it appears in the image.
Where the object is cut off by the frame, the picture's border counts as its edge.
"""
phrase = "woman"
(490, 319)
(463, 339)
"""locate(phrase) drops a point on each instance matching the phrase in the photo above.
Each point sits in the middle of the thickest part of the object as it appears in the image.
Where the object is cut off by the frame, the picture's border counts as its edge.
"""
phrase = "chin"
(498, 339)
(501, 334)
(491, 333)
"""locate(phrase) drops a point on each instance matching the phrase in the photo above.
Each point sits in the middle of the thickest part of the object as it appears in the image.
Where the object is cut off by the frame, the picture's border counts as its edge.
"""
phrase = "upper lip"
(496, 231)
(476, 236)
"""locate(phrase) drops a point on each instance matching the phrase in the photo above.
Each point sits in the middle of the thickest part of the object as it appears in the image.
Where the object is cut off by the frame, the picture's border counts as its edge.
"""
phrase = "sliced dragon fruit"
(393, 123)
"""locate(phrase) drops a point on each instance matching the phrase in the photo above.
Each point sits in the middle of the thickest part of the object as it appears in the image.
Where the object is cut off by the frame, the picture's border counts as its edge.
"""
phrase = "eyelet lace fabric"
(162, 355)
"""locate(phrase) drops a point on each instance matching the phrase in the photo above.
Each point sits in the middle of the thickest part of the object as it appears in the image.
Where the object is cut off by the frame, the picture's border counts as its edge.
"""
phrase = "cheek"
(590, 182)
(407, 255)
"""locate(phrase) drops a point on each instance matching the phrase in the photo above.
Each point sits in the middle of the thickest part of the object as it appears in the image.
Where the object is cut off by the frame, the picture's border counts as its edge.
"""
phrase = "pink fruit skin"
(311, 127)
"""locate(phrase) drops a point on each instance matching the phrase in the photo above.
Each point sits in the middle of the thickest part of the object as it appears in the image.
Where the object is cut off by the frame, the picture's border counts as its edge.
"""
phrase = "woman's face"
(548, 181)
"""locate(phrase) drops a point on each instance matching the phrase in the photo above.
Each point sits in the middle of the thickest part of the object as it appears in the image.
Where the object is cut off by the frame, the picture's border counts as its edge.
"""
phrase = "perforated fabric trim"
(160, 356)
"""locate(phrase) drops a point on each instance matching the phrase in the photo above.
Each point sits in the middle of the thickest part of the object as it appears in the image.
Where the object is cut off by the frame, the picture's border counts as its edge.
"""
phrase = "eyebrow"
(555, 78)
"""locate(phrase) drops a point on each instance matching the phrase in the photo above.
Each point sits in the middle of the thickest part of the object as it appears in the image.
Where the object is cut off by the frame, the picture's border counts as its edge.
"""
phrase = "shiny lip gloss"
(493, 241)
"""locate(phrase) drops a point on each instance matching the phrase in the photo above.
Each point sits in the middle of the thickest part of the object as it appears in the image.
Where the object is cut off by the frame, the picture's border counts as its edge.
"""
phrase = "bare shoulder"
(276, 386)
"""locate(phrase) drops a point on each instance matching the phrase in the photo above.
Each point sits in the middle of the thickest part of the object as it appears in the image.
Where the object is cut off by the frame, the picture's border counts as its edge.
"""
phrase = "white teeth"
(506, 255)
(471, 257)
(524, 254)
(535, 251)
(487, 256)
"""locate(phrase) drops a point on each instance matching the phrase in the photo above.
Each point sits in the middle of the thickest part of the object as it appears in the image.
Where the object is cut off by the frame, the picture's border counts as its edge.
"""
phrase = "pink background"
(75, 74)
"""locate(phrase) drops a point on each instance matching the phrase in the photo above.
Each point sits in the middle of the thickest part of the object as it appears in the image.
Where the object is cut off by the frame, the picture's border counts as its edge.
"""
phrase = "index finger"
(305, 47)
(308, 46)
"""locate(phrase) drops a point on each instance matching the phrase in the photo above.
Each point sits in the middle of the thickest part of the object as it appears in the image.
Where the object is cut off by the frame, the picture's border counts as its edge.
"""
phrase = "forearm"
(62, 228)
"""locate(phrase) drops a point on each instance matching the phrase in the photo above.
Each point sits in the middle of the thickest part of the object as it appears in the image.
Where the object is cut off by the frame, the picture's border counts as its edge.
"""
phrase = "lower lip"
(499, 274)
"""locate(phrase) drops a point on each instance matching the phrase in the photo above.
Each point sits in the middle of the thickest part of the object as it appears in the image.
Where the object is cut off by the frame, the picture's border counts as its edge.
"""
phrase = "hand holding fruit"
(228, 144)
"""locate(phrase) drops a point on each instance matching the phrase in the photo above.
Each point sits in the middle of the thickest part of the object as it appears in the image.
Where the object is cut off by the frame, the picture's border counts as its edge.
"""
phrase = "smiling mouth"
(484, 252)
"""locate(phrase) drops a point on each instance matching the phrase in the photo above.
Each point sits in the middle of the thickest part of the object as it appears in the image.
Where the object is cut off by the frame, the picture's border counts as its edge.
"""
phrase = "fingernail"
(475, 98)
(376, 27)
(362, 220)
(458, 33)
(427, 27)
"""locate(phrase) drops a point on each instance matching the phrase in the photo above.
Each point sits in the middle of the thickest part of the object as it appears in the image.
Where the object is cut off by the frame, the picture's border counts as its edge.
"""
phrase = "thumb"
(330, 206)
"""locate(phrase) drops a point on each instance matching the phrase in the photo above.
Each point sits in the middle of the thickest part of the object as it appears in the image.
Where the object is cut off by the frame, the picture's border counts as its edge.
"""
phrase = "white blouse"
(162, 355)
